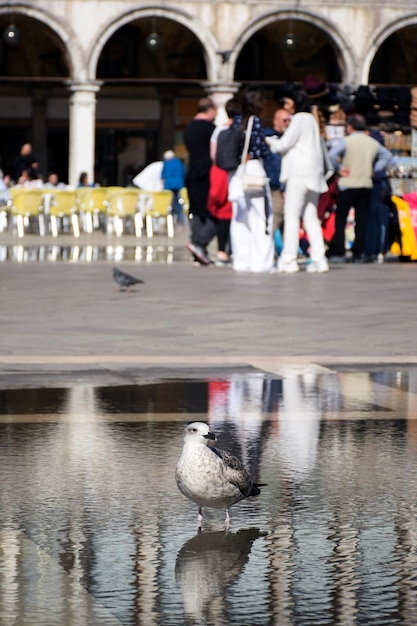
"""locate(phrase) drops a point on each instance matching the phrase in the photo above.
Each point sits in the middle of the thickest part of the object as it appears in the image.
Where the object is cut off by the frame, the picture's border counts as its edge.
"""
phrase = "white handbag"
(250, 177)
(253, 175)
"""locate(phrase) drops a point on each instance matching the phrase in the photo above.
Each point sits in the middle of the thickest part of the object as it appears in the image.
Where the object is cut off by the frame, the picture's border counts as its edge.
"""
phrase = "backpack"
(228, 149)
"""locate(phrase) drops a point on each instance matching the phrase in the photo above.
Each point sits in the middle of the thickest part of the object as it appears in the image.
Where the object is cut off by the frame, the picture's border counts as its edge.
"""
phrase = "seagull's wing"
(235, 472)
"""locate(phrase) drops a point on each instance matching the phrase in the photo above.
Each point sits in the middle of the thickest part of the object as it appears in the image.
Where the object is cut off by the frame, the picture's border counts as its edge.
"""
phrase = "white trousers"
(251, 236)
(301, 204)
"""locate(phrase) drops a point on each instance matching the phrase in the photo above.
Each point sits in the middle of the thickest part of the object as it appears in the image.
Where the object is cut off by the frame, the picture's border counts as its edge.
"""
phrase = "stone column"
(221, 93)
(82, 127)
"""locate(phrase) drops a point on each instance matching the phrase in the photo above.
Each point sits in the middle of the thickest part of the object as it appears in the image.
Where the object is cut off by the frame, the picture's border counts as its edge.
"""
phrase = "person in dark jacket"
(24, 161)
(197, 142)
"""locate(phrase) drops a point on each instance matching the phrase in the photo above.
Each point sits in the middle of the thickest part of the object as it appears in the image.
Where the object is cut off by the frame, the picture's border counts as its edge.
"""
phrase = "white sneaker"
(288, 268)
(318, 267)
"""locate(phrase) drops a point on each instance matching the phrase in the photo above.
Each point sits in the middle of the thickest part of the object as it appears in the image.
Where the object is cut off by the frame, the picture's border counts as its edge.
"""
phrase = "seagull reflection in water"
(206, 565)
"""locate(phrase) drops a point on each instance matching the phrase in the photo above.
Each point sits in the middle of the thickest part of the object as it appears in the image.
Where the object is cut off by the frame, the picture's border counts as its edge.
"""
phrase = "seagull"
(211, 477)
(125, 281)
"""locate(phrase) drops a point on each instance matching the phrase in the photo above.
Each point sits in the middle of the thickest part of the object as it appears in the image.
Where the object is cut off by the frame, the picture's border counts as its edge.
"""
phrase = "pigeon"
(125, 281)
(211, 477)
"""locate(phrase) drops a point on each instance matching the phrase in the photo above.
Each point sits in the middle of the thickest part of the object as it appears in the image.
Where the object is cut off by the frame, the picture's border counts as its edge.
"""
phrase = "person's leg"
(384, 212)
(240, 237)
(371, 236)
(382, 218)
(203, 229)
(344, 202)
(177, 207)
(312, 227)
(223, 231)
(361, 216)
(261, 245)
(295, 194)
(277, 210)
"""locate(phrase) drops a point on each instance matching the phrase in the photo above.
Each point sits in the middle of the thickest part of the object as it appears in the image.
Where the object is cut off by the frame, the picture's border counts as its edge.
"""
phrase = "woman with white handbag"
(251, 225)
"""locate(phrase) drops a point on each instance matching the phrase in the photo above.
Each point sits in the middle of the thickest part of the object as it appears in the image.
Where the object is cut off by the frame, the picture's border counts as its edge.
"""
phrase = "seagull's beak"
(211, 436)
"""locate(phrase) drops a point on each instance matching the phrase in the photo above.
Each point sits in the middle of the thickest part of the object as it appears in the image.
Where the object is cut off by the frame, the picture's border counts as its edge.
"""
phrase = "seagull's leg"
(200, 517)
(227, 519)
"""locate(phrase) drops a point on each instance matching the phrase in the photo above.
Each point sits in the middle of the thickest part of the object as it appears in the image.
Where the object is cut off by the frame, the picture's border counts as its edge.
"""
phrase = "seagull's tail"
(255, 489)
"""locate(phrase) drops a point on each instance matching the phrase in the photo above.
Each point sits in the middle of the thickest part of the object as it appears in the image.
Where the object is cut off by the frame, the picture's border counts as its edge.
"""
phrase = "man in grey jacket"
(356, 159)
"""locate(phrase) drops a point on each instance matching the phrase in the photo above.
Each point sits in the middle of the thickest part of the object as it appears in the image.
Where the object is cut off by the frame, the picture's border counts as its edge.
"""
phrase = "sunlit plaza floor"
(310, 379)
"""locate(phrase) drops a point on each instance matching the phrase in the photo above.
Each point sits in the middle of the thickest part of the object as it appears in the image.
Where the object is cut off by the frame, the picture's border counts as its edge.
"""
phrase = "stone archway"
(318, 41)
(190, 23)
(156, 90)
(57, 32)
(34, 75)
(392, 57)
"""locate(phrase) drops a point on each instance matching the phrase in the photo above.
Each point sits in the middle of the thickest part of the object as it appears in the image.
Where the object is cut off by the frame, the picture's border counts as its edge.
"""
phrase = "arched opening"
(396, 60)
(268, 57)
(128, 53)
(34, 103)
(158, 85)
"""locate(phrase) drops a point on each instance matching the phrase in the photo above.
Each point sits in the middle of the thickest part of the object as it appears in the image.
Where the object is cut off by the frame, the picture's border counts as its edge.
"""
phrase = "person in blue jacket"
(173, 175)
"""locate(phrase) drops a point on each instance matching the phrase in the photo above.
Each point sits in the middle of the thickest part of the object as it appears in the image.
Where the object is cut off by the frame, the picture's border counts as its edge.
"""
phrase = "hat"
(169, 154)
(314, 87)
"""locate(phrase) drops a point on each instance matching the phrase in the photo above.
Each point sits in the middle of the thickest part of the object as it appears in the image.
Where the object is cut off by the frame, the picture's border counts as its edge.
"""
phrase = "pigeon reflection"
(206, 565)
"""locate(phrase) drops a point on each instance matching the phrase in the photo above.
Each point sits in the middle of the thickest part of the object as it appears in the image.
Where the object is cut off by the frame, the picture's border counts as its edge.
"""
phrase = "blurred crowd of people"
(308, 184)
(26, 173)
(311, 186)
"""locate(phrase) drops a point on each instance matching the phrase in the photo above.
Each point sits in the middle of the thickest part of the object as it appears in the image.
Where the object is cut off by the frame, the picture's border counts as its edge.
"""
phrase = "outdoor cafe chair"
(25, 208)
(91, 207)
(159, 207)
(62, 209)
(122, 209)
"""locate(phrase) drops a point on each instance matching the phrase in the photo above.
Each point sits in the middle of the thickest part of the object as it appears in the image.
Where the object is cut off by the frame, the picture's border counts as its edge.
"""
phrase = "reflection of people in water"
(299, 426)
(244, 402)
(206, 565)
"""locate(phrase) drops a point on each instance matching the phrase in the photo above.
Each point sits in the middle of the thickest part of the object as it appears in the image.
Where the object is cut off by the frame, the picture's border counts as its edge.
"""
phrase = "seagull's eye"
(194, 430)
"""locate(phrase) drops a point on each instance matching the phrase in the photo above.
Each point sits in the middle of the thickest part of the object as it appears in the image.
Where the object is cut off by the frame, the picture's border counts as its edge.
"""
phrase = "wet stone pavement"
(310, 380)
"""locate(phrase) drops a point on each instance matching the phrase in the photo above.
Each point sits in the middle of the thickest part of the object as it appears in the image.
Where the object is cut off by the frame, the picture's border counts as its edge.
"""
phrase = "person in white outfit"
(302, 172)
(251, 225)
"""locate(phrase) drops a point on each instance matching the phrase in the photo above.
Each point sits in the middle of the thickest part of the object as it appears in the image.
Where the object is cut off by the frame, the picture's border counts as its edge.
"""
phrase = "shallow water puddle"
(93, 530)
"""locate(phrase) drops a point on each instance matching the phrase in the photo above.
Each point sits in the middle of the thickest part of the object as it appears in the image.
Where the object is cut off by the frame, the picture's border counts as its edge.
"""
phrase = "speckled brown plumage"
(211, 477)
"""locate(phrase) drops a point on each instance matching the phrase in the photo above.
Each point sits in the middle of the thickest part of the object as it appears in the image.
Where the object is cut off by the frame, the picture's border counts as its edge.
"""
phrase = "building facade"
(104, 86)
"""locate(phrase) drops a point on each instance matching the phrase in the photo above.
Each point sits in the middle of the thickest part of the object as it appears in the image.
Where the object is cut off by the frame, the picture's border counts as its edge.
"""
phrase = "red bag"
(329, 227)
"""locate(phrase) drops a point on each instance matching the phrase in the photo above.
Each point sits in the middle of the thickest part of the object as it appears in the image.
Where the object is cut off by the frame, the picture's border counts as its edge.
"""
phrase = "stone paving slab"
(71, 315)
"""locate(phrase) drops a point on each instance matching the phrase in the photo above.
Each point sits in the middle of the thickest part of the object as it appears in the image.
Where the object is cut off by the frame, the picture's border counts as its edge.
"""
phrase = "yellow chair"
(24, 206)
(184, 200)
(4, 215)
(123, 204)
(159, 207)
(91, 206)
(62, 207)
